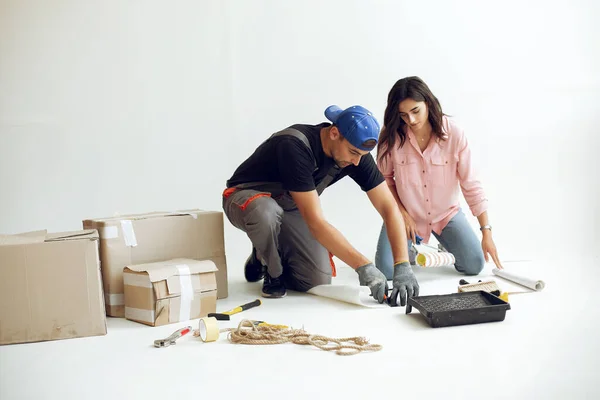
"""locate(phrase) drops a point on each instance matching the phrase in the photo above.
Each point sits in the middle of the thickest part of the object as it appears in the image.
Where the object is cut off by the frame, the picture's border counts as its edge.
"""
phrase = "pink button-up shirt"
(428, 182)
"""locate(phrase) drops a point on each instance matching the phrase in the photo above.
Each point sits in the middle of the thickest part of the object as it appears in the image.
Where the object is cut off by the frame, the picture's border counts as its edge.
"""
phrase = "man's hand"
(488, 247)
(370, 276)
(411, 227)
(405, 284)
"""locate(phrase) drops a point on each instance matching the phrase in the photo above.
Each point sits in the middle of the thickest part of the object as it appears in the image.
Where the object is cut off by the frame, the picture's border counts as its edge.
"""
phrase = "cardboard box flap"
(89, 234)
(23, 238)
(163, 270)
(155, 214)
(188, 285)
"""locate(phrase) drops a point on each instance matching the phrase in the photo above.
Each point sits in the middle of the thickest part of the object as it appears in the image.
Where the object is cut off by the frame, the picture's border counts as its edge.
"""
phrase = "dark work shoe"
(254, 271)
(273, 287)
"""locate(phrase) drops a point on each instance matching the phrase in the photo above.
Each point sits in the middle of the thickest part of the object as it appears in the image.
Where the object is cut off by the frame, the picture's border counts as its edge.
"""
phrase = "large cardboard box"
(158, 236)
(170, 291)
(50, 287)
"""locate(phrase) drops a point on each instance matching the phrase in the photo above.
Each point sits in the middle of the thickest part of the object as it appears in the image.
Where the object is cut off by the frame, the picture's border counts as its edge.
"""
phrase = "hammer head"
(220, 317)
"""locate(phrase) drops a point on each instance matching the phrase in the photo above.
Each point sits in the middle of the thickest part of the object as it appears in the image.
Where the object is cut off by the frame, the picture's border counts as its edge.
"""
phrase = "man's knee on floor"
(315, 280)
(303, 282)
(320, 279)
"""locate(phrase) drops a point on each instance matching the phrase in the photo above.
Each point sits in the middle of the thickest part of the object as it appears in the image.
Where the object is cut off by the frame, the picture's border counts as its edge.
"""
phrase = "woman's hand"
(489, 249)
(411, 227)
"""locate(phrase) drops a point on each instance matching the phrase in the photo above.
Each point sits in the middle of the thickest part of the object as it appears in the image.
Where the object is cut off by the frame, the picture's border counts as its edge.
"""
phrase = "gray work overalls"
(269, 216)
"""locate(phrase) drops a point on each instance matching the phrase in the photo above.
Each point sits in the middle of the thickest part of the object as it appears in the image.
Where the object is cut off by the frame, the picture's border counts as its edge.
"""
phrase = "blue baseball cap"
(356, 124)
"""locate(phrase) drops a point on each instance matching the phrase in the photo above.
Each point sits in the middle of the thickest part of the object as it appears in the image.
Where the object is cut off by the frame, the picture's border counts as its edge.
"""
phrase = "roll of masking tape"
(208, 329)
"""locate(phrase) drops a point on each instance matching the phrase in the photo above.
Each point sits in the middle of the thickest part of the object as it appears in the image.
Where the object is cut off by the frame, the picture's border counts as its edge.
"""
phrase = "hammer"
(225, 316)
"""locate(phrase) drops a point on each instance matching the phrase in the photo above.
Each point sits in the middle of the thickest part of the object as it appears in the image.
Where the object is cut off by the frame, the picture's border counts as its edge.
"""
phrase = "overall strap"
(331, 174)
(333, 171)
(299, 135)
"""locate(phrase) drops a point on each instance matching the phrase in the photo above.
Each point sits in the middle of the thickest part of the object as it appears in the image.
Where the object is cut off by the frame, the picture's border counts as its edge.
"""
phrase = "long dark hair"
(414, 88)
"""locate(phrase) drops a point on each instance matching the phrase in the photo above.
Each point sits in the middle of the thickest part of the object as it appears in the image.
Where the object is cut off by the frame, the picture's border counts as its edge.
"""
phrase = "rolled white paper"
(359, 295)
(533, 284)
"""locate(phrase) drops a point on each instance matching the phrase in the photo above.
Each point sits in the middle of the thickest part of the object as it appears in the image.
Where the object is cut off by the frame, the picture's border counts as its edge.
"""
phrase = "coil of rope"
(251, 332)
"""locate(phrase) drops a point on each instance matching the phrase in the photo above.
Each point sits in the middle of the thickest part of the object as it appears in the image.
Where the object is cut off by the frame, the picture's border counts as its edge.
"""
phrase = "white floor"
(547, 348)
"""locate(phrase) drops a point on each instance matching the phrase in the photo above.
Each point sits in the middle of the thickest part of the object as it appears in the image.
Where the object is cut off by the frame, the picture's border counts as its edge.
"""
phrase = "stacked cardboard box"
(156, 237)
(62, 285)
(170, 291)
(50, 287)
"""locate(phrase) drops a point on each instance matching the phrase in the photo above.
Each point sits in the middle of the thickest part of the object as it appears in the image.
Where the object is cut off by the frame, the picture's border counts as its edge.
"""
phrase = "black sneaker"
(273, 287)
(254, 271)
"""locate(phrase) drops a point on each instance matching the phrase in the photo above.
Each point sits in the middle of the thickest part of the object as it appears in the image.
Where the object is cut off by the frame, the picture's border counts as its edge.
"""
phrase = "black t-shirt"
(286, 159)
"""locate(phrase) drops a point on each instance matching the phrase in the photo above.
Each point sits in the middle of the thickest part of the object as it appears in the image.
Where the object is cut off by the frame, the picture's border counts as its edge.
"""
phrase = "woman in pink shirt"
(425, 159)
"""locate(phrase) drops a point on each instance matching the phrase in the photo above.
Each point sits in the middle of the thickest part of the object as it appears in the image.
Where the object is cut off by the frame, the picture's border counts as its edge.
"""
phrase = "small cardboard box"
(50, 287)
(153, 237)
(170, 291)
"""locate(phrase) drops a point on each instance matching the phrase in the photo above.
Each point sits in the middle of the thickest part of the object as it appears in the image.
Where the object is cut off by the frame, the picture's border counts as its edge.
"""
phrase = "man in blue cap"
(273, 196)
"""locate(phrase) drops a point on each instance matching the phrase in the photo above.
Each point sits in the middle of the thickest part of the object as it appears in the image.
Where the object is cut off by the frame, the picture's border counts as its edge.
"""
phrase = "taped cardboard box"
(50, 287)
(153, 237)
(171, 291)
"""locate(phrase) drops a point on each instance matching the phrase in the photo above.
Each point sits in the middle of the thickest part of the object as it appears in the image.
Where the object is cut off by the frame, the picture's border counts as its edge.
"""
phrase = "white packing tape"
(114, 299)
(138, 314)
(187, 292)
(128, 233)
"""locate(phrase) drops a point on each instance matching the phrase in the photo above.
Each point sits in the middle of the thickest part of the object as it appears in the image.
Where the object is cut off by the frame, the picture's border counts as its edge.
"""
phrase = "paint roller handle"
(245, 307)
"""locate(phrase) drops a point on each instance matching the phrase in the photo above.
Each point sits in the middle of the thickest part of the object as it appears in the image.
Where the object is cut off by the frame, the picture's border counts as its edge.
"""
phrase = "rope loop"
(252, 332)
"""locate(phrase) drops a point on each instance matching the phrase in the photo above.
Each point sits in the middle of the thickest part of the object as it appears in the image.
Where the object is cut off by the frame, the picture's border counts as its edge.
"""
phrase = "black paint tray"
(461, 308)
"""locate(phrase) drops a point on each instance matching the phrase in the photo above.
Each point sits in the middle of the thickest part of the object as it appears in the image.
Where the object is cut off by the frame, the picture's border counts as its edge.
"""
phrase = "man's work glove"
(405, 284)
(370, 276)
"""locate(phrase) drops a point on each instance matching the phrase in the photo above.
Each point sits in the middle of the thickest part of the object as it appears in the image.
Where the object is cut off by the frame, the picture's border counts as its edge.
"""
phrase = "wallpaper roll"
(435, 259)
(359, 295)
(533, 284)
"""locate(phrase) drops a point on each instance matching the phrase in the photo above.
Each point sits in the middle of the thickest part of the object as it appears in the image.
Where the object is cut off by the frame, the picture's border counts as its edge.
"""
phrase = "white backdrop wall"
(127, 106)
